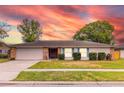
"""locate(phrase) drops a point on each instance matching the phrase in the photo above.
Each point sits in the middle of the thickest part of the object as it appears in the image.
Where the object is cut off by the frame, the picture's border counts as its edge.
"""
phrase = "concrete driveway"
(9, 70)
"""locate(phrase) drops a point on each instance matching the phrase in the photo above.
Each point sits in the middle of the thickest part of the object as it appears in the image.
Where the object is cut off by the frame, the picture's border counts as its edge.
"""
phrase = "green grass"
(70, 76)
(79, 64)
(4, 60)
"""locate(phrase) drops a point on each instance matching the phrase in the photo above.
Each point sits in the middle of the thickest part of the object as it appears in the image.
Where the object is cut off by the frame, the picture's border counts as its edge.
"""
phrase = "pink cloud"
(61, 22)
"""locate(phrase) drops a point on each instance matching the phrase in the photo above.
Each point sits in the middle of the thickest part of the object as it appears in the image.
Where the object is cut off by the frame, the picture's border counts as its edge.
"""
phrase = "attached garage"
(26, 54)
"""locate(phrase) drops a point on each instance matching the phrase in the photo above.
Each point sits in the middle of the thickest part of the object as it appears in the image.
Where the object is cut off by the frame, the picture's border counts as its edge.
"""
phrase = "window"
(75, 50)
(83, 52)
(68, 52)
(62, 51)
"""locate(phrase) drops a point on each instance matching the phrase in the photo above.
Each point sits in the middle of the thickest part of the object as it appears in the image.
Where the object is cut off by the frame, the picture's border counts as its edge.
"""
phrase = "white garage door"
(29, 54)
(122, 53)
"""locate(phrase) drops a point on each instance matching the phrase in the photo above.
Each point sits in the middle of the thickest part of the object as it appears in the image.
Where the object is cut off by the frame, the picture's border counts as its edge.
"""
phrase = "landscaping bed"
(70, 76)
(57, 64)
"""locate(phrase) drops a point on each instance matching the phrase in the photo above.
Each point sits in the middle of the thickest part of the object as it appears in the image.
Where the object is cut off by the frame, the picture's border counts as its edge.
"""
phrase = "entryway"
(53, 53)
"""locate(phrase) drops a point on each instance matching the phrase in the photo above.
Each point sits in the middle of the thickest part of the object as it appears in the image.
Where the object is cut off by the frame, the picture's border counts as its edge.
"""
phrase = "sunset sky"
(62, 22)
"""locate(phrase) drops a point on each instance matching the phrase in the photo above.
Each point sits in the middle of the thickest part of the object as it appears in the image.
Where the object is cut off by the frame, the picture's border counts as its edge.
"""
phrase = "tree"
(30, 29)
(99, 31)
(4, 28)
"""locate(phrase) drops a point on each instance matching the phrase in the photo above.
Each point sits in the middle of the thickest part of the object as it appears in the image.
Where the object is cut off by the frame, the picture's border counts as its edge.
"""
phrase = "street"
(49, 84)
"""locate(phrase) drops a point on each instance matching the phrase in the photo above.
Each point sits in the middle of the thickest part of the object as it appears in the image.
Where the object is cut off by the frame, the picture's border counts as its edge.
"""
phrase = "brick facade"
(59, 51)
(45, 53)
(12, 53)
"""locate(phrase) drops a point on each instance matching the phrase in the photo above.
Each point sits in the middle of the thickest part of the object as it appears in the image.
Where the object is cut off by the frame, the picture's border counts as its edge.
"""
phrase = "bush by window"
(62, 50)
(93, 56)
(76, 56)
(101, 56)
(61, 56)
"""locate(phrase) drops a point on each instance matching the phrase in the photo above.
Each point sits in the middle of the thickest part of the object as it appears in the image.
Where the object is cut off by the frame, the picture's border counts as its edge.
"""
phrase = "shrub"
(12, 58)
(93, 56)
(3, 55)
(108, 57)
(61, 56)
(76, 56)
(101, 56)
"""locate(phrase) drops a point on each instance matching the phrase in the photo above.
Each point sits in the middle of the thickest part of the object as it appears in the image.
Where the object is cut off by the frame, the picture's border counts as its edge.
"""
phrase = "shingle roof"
(58, 43)
(3, 44)
(119, 46)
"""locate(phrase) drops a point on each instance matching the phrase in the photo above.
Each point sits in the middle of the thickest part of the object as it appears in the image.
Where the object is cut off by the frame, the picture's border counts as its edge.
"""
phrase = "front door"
(53, 52)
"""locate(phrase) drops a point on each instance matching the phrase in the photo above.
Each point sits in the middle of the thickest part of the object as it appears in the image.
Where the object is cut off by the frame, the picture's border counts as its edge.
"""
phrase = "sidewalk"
(102, 70)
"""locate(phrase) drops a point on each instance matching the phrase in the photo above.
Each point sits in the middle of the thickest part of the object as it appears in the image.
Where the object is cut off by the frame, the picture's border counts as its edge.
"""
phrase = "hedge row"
(3, 55)
(92, 56)
(76, 56)
(99, 56)
(61, 56)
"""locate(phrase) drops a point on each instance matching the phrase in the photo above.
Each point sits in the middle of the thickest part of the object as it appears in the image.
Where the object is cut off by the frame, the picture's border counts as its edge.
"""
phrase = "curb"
(62, 82)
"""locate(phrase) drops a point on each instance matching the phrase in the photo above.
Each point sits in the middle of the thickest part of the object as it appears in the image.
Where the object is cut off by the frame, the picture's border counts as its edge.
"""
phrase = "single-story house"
(45, 50)
(4, 48)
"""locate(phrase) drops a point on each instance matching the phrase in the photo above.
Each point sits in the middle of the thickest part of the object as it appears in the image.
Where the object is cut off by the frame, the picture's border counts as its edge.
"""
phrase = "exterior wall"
(68, 53)
(116, 55)
(106, 50)
(12, 54)
(4, 49)
(121, 53)
(59, 51)
(45, 53)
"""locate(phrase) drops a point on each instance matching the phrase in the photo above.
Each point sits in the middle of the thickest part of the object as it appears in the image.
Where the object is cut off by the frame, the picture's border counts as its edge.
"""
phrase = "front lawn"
(78, 64)
(4, 60)
(70, 76)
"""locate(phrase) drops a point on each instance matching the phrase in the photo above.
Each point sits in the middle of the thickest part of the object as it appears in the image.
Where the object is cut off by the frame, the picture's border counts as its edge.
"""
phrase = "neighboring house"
(45, 50)
(4, 48)
(120, 50)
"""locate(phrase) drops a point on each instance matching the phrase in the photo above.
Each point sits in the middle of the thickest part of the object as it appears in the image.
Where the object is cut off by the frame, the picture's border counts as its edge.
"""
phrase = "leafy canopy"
(30, 29)
(4, 28)
(99, 31)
